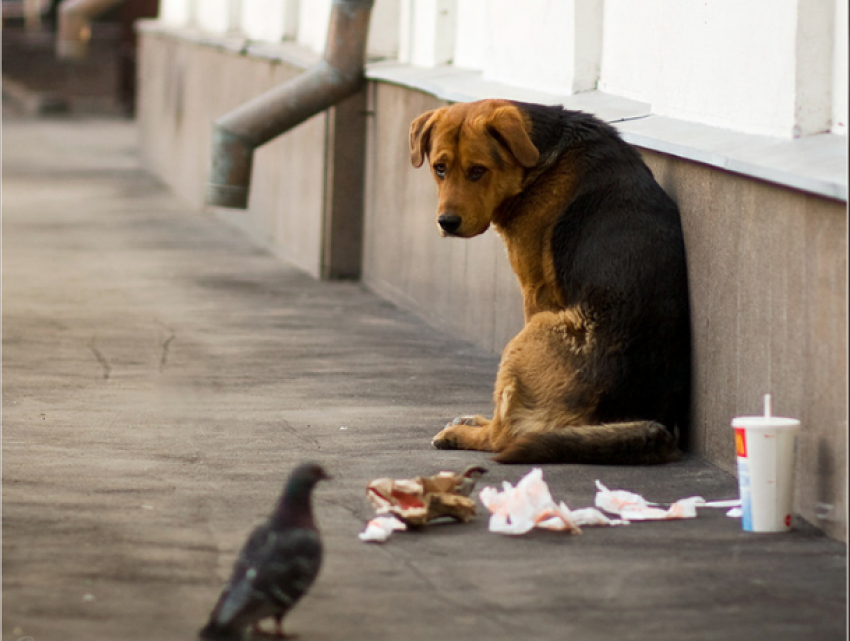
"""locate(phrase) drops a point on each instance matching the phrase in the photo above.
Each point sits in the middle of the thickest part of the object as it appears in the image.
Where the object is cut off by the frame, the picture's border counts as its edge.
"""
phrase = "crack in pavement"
(163, 359)
(107, 368)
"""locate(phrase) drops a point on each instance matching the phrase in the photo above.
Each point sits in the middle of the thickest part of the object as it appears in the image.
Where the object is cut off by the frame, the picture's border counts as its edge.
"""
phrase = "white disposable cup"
(766, 447)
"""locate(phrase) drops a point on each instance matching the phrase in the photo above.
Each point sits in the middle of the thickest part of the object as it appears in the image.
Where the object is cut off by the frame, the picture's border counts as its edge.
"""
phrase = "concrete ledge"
(814, 164)
(290, 53)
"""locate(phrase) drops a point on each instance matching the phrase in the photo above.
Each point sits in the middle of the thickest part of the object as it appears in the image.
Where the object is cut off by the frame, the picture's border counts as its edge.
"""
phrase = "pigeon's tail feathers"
(237, 602)
(224, 619)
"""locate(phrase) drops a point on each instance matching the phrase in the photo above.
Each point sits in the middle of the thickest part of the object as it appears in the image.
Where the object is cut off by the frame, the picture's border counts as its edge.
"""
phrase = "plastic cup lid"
(765, 422)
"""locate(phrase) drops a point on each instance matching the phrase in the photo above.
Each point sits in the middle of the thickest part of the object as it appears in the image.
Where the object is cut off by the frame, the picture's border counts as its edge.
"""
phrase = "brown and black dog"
(601, 371)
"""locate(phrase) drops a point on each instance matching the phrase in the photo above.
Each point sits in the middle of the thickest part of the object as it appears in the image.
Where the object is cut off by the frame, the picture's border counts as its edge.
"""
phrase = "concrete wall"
(465, 286)
(768, 276)
(768, 280)
(184, 87)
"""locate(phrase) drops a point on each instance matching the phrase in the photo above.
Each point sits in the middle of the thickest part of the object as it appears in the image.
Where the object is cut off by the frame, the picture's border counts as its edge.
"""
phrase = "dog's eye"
(440, 169)
(475, 172)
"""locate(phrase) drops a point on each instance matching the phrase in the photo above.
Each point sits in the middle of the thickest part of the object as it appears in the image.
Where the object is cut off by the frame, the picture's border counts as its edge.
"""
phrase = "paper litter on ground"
(379, 529)
(517, 510)
(633, 507)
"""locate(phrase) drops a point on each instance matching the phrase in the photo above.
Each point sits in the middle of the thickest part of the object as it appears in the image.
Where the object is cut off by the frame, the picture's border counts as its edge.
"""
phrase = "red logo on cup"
(787, 520)
(741, 442)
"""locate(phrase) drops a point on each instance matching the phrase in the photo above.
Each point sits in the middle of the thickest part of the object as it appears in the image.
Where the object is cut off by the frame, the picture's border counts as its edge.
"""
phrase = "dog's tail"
(632, 443)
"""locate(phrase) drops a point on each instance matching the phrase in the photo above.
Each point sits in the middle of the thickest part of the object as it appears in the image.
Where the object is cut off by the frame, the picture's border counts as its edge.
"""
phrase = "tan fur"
(535, 372)
(534, 379)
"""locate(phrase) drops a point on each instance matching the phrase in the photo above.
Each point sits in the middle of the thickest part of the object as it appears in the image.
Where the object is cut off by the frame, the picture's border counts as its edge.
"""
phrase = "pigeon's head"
(306, 475)
(293, 508)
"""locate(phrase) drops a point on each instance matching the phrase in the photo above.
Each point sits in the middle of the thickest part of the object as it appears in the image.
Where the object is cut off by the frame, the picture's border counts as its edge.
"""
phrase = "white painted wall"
(177, 13)
(814, 62)
(762, 66)
(729, 64)
(384, 29)
(313, 17)
(550, 45)
(839, 70)
(269, 20)
(219, 16)
(772, 67)
(472, 34)
(427, 32)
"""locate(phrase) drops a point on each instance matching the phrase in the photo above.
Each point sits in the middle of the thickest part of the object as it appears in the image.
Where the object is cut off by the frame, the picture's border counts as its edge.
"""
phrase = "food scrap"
(403, 503)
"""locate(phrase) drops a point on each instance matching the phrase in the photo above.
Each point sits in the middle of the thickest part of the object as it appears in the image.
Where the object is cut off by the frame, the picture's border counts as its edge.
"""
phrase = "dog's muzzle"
(449, 223)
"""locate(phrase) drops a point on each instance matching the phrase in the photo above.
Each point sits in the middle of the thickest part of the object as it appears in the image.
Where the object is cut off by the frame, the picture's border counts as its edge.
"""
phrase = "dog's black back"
(619, 254)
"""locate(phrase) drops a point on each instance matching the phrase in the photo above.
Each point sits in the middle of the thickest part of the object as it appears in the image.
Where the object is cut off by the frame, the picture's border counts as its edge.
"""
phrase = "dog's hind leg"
(511, 400)
(626, 443)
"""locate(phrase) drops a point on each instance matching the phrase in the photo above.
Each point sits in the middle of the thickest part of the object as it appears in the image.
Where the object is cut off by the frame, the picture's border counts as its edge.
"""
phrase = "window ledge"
(815, 164)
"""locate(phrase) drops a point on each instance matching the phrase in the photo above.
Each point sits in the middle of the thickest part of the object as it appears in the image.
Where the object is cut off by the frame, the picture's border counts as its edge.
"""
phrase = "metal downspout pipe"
(74, 29)
(256, 122)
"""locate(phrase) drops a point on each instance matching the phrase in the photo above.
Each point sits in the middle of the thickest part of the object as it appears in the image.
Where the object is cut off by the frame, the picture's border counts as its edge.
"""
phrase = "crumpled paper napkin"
(517, 510)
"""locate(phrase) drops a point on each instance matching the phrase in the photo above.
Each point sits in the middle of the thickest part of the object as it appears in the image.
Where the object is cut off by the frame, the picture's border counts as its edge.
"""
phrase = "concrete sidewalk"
(161, 376)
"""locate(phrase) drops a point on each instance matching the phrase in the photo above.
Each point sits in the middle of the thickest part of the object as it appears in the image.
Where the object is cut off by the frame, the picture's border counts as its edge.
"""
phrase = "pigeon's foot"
(259, 633)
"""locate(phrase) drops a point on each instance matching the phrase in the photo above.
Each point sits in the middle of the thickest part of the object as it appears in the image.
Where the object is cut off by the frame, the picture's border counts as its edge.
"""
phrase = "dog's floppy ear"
(420, 137)
(507, 126)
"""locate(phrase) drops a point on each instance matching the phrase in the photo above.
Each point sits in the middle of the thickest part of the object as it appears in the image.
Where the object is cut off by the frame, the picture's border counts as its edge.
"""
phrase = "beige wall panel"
(184, 88)
(768, 277)
(287, 193)
(464, 286)
(824, 414)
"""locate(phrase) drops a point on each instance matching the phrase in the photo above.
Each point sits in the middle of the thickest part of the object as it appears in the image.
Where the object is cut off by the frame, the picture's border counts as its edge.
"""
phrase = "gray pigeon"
(277, 564)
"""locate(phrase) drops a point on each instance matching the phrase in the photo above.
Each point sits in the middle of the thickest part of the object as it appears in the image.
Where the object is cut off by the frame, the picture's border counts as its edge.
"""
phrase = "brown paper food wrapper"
(422, 499)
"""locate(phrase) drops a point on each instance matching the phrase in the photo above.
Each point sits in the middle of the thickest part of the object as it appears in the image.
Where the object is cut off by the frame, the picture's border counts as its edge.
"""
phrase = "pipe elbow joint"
(335, 78)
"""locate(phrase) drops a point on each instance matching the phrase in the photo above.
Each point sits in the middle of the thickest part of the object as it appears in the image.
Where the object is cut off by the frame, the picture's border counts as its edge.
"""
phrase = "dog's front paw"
(463, 433)
(444, 440)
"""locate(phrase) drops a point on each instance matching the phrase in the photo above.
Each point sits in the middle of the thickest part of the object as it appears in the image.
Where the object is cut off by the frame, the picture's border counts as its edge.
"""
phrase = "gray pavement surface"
(162, 376)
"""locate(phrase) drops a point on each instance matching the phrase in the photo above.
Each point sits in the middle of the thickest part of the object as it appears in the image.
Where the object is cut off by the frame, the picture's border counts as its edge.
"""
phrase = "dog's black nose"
(449, 223)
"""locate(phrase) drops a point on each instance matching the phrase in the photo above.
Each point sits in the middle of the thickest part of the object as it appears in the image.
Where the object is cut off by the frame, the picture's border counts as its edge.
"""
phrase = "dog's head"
(478, 154)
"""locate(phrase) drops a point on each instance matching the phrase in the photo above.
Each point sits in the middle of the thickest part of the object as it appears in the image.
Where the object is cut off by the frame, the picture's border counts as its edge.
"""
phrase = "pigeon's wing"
(292, 564)
(274, 570)
(235, 602)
